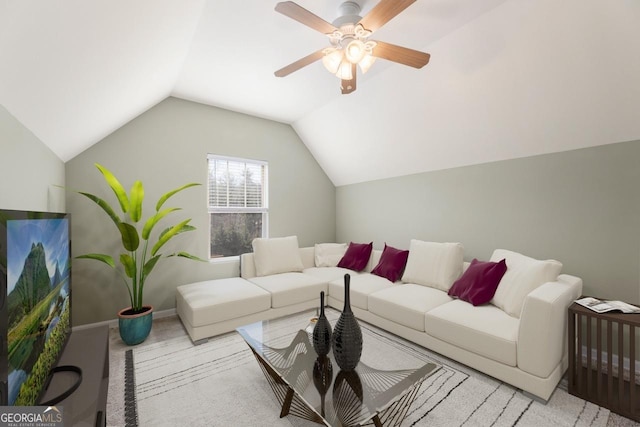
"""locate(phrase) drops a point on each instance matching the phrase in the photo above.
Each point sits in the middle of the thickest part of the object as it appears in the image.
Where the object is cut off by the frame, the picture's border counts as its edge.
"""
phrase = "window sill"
(225, 260)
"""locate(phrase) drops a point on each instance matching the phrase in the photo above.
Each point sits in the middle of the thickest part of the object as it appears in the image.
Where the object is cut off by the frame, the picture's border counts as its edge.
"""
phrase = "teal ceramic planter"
(135, 328)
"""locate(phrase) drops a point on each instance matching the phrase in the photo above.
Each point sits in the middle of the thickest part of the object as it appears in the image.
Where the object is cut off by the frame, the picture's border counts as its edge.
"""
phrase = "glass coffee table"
(314, 388)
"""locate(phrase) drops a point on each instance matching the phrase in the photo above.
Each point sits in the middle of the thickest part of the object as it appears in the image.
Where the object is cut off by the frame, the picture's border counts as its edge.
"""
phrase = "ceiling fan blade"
(302, 15)
(401, 55)
(348, 86)
(302, 62)
(384, 12)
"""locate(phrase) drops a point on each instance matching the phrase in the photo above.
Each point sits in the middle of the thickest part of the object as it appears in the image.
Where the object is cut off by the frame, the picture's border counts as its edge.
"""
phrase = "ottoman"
(214, 307)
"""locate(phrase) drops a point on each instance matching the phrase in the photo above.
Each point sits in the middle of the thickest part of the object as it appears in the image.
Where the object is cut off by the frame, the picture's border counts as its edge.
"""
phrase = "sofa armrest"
(247, 266)
(542, 334)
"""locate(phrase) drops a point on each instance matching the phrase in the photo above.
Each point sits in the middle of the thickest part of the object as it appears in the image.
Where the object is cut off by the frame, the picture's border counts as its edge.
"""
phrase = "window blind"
(236, 184)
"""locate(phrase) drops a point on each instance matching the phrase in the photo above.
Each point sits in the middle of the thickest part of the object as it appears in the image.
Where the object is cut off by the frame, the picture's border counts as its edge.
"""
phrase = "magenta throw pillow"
(478, 284)
(357, 256)
(392, 263)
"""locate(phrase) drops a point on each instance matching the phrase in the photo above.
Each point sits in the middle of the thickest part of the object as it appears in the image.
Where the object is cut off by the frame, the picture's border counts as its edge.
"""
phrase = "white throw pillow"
(276, 255)
(524, 274)
(329, 254)
(433, 264)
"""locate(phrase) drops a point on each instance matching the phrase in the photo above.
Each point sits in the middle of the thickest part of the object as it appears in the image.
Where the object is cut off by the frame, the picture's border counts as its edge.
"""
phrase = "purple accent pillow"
(357, 256)
(392, 263)
(478, 284)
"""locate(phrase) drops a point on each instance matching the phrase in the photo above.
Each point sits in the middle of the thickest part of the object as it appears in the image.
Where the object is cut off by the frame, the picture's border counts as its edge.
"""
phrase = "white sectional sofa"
(519, 337)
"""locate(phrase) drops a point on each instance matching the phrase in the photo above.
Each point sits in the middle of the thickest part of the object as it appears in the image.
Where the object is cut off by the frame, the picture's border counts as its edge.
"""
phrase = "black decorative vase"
(347, 336)
(322, 332)
(322, 377)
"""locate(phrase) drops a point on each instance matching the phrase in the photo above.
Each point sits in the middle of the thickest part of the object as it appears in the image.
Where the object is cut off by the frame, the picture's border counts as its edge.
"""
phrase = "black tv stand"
(87, 352)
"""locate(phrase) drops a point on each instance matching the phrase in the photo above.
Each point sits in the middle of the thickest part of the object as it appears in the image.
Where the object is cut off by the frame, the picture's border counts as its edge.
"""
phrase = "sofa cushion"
(485, 330)
(360, 286)
(479, 282)
(276, 255)
(406, 304)
(328, 273)
(392, 263)
(433, 264)
(291, 288)
(213, 301)
(329, 254)
(357, 256)
(523, 275)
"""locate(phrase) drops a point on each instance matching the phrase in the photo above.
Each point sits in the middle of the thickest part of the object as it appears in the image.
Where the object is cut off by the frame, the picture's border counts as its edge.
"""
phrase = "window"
(238, 206)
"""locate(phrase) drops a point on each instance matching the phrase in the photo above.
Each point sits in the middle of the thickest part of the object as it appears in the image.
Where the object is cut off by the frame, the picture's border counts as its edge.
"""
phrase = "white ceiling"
(507, 78)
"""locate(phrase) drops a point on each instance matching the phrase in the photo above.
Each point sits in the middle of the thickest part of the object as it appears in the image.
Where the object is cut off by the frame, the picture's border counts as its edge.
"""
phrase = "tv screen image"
(37, 309)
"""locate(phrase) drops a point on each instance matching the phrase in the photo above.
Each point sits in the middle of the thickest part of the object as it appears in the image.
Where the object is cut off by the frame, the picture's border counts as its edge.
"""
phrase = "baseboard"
(114, 322)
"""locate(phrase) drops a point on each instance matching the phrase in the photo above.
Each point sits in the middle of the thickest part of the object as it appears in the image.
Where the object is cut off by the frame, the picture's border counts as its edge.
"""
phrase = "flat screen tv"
(35, 301)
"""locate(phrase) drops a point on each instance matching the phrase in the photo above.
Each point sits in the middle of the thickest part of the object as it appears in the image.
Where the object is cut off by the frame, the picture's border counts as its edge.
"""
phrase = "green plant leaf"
(130, 239)
(117, 188)
(104, 205)
(186, 228)
(129, 265)
(148, 267)
(188, 256)
(168, 234)
(137, 195)
(153, 220)
(172, 192)
(107, 259)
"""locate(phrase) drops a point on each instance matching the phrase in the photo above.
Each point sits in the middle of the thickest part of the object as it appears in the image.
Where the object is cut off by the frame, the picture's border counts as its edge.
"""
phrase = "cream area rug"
(219, 383)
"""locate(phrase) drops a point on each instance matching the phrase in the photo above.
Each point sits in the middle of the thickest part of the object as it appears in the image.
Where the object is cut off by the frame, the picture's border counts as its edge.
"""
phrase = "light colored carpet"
(220, 383)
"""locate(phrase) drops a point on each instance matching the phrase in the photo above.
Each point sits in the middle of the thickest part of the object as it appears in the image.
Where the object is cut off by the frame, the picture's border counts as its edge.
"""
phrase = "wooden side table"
(593, 376)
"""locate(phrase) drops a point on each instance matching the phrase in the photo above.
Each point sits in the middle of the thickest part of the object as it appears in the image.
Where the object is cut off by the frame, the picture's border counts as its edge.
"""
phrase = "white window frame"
(234, 209)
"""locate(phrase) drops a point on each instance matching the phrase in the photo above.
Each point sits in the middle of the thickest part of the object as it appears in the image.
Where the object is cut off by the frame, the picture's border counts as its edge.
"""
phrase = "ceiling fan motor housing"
(349, 15)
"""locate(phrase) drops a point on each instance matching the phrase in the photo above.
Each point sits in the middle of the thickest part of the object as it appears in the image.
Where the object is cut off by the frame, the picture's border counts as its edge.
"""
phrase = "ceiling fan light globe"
(344, 70)
(355, 51)
(332, 59)
(366, 62)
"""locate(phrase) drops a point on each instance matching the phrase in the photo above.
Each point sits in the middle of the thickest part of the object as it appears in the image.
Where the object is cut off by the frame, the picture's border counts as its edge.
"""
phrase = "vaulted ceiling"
(507, 78)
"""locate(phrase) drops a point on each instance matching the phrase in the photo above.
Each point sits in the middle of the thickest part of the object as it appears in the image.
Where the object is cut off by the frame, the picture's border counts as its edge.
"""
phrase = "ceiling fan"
(349, 39)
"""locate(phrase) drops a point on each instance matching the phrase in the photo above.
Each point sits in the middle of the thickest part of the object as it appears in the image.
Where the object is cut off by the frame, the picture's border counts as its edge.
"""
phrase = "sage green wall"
(580, 207)
(29, 170)
(166, 147)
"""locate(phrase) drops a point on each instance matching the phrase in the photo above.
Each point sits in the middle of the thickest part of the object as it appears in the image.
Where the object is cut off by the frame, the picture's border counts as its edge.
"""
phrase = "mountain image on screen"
(33, 285)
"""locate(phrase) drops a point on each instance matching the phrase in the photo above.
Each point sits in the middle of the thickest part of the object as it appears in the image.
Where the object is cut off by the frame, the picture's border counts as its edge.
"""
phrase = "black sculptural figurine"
(322, 332)
(347, 336)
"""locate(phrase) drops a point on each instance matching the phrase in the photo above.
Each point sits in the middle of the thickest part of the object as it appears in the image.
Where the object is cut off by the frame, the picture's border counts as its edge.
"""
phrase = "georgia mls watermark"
(31, 416)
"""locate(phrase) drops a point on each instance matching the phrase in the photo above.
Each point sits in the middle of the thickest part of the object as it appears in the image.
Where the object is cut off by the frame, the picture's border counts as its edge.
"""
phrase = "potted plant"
(141, 249)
